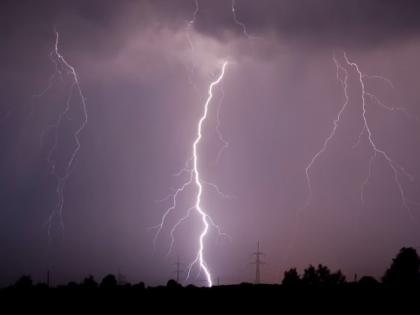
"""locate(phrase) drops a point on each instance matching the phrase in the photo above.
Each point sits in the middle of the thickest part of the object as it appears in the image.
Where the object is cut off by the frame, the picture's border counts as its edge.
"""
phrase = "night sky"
(145, 75)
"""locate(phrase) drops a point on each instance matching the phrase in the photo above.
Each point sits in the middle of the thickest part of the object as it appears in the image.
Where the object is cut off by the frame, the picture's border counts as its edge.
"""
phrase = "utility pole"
(258, 264)
(48, 278)
(178, 270)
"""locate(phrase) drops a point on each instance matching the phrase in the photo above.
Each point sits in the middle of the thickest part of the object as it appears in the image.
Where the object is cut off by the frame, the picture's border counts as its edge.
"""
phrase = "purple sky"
(145, 89)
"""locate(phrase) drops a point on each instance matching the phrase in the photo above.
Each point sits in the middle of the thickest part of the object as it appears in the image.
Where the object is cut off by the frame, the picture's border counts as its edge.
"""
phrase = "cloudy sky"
(144, 71)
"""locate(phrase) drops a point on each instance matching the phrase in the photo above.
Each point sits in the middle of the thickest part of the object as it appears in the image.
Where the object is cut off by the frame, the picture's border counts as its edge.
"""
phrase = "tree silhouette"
(404, 270)
(173, 284)
(291, 279)
(109, 282)
(24, 282)
(368, 282)
(337, 278)
(89, 283)
(72, 285)
(322, 277)
(139, 286)
(310, 277)
(315, 282)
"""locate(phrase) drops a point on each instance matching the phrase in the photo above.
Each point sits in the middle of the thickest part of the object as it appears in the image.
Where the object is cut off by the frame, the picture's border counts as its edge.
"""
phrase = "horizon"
(122, 280)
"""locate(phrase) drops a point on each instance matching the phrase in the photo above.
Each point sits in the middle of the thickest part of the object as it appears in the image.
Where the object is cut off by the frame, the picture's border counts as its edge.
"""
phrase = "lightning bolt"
(173, 198)
(190, 74)
(237, 21)
(191, 22)
(189, 27)
(395, 167)
(222, 139)
(61, 65)
(344, 83)
(195, 178)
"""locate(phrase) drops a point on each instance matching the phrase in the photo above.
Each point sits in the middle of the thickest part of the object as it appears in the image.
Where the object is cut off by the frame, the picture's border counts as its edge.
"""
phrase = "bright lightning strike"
(62, 65)
(396, 168)
(196, 179)
(336, 121)
(190, 74)
(174, 198)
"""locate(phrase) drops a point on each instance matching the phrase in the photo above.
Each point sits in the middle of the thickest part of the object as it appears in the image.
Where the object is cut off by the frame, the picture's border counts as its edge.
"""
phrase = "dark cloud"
(341, 23)
(317, 22)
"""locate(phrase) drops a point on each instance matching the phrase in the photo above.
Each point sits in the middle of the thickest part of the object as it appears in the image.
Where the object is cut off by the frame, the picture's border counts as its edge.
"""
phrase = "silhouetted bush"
(404, 270)
(139, 286)
(24, 282)
(173, 284)
(310, 277)
(369, 283)
(322, 277)
(89, 283)
(291, 279)
(109, 282)
(72, 285)
(41, 286)
(337, 278)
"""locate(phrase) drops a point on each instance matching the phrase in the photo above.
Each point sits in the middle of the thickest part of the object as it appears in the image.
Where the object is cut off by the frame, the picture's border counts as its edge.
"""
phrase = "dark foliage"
(404, 270)
(24, 282)
(317, 287)
(109, 282)
(89, 283)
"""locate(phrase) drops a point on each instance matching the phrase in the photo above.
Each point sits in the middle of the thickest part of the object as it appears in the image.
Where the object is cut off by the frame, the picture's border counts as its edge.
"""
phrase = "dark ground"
(316, 290)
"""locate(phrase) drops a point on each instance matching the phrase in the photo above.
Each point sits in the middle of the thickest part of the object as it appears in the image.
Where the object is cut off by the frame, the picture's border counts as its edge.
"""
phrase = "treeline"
(403, 273)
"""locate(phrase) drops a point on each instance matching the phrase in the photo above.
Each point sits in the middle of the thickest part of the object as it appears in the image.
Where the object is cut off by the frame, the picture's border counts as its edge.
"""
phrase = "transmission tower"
(178, 270)
(258, 262)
